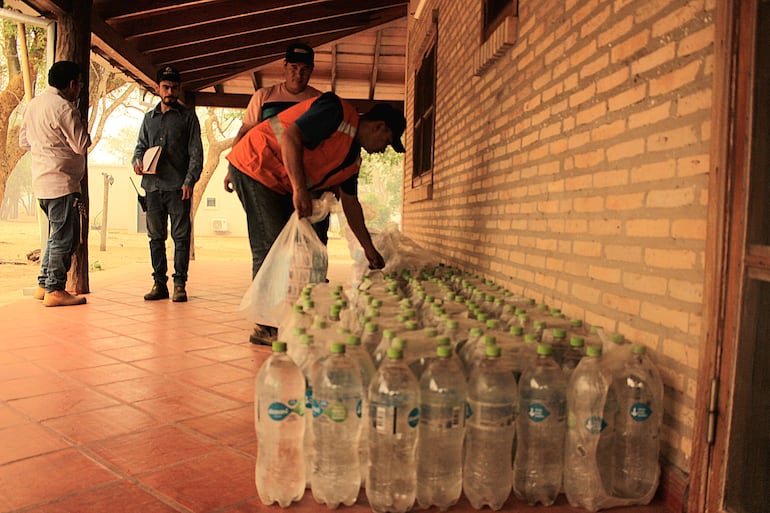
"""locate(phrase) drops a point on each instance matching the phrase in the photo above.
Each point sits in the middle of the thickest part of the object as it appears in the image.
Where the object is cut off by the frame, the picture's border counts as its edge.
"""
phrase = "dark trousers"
(267, 212)
(162, 205)
(63, 240)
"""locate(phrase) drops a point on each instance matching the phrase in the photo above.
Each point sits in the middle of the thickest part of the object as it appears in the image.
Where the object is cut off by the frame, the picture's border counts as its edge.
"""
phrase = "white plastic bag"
(296, 258)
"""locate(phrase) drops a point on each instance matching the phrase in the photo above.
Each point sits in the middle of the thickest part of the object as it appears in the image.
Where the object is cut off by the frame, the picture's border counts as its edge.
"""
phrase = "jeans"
(162, 205)
(267, 212)
(63, 240)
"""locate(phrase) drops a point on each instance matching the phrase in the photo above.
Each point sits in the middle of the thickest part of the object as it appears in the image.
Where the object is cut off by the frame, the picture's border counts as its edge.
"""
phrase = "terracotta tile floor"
(127, 406)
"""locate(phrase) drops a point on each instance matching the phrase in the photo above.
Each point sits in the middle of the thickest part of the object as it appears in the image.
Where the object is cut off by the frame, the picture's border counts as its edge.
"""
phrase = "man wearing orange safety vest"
(311, 147)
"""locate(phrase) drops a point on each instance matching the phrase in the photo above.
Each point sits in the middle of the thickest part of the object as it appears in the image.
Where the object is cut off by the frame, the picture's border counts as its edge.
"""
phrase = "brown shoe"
(39, 292)
(62, 298)
(263, 335)
(180, 294)
(158, 291)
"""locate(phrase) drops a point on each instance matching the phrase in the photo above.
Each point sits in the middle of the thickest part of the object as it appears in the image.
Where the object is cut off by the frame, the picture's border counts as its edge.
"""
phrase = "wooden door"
(731, 464)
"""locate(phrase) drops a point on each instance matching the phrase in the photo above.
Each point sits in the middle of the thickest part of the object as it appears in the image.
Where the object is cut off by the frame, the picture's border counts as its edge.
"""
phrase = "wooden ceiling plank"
(208, 21)
(162, 14)
(375, 65)
(51, 8)
(113, 47)
(333, 84)
(254, 40)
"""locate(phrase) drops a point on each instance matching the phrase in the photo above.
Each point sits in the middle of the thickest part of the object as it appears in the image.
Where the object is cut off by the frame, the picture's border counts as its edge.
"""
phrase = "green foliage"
(379, 187)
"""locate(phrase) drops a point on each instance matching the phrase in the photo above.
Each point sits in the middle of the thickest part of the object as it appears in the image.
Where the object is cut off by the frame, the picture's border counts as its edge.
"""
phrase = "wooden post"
(107, 182)
(73, 43)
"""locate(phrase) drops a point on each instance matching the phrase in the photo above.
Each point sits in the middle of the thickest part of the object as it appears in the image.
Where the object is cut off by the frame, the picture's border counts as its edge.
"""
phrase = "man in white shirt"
(57, 138)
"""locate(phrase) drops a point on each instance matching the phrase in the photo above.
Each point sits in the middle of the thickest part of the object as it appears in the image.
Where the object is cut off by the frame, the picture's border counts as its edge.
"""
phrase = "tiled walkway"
(123, 405)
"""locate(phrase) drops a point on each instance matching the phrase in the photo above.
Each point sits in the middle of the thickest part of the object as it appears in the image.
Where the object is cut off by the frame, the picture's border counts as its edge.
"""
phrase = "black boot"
(159, 291)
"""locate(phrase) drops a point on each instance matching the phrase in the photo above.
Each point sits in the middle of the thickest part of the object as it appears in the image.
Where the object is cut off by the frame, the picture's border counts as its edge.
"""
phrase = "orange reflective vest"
(258, 153)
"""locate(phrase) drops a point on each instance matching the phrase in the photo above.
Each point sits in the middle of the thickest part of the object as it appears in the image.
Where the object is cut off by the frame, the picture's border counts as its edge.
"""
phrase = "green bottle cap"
(594, 351)
(516, 330)
(337, 348)
(395, 353)
(492, 351)
(576, 342)
(279, 347)
(444, 351)
(544, 349)
(353, 340)
(638, 349)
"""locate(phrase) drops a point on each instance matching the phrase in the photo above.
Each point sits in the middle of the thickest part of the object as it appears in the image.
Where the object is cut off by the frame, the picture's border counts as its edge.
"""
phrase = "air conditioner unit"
(219, 225)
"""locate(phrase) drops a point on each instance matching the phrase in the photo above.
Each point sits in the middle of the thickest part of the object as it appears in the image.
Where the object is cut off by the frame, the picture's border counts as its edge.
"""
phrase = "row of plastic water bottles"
(415, 434)
(415, 322)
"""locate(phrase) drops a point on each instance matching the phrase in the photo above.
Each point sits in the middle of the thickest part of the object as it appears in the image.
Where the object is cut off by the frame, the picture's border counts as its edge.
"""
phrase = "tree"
(12, 94)
(213, 148)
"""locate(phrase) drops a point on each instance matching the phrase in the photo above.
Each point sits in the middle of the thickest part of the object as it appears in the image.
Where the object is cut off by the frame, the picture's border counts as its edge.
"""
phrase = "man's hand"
(138, 168)
(375, 259)
(303, 203)
(228, 183)
(187, 192)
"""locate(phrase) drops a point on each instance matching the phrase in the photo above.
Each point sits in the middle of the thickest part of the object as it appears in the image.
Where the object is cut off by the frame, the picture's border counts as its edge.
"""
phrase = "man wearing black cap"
(311, 147)
(175, 131)
(265, 103)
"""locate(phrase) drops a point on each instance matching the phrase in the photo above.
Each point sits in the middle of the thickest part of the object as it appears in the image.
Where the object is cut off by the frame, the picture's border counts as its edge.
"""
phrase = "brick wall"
(574, 168)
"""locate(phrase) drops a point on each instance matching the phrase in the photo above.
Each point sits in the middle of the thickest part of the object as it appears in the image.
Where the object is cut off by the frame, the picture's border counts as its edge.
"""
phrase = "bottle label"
(595, 424)
(640, 412)
(442, 417)
(538, 412)
(337, 412)
(359, 408)
(392, 420)
(279, 411)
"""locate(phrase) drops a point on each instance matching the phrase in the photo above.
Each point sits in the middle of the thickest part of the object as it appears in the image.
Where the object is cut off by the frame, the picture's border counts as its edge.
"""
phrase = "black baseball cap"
(168, 73)
(395, 120)
(299, 52)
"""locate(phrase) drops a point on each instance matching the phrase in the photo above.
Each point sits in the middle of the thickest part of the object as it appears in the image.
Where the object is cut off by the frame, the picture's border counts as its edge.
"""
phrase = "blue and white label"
(318, 407)
(468, 411)
(359, 408)
(640, 412)
(537, 412)
(279, 411)
(414, 417)
(595, 424)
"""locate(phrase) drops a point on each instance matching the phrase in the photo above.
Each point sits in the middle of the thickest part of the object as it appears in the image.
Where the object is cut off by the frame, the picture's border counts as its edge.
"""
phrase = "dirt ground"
(20, 236)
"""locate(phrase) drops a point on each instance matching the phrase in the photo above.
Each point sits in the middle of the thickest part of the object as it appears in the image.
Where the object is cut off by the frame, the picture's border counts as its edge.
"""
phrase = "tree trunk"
(74, 44)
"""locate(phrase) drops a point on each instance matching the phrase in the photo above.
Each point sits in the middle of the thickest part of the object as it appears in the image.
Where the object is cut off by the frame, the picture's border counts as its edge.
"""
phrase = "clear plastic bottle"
(587, 432)
(279, 410)
(574, 354)
(464, 351)
(371, 337)
(541, 427)
(394, 412)
(490, 432)
(366, 367)
(335, 476)
(639, 391)
(293, 345)
(443, 394)
(309, 360)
